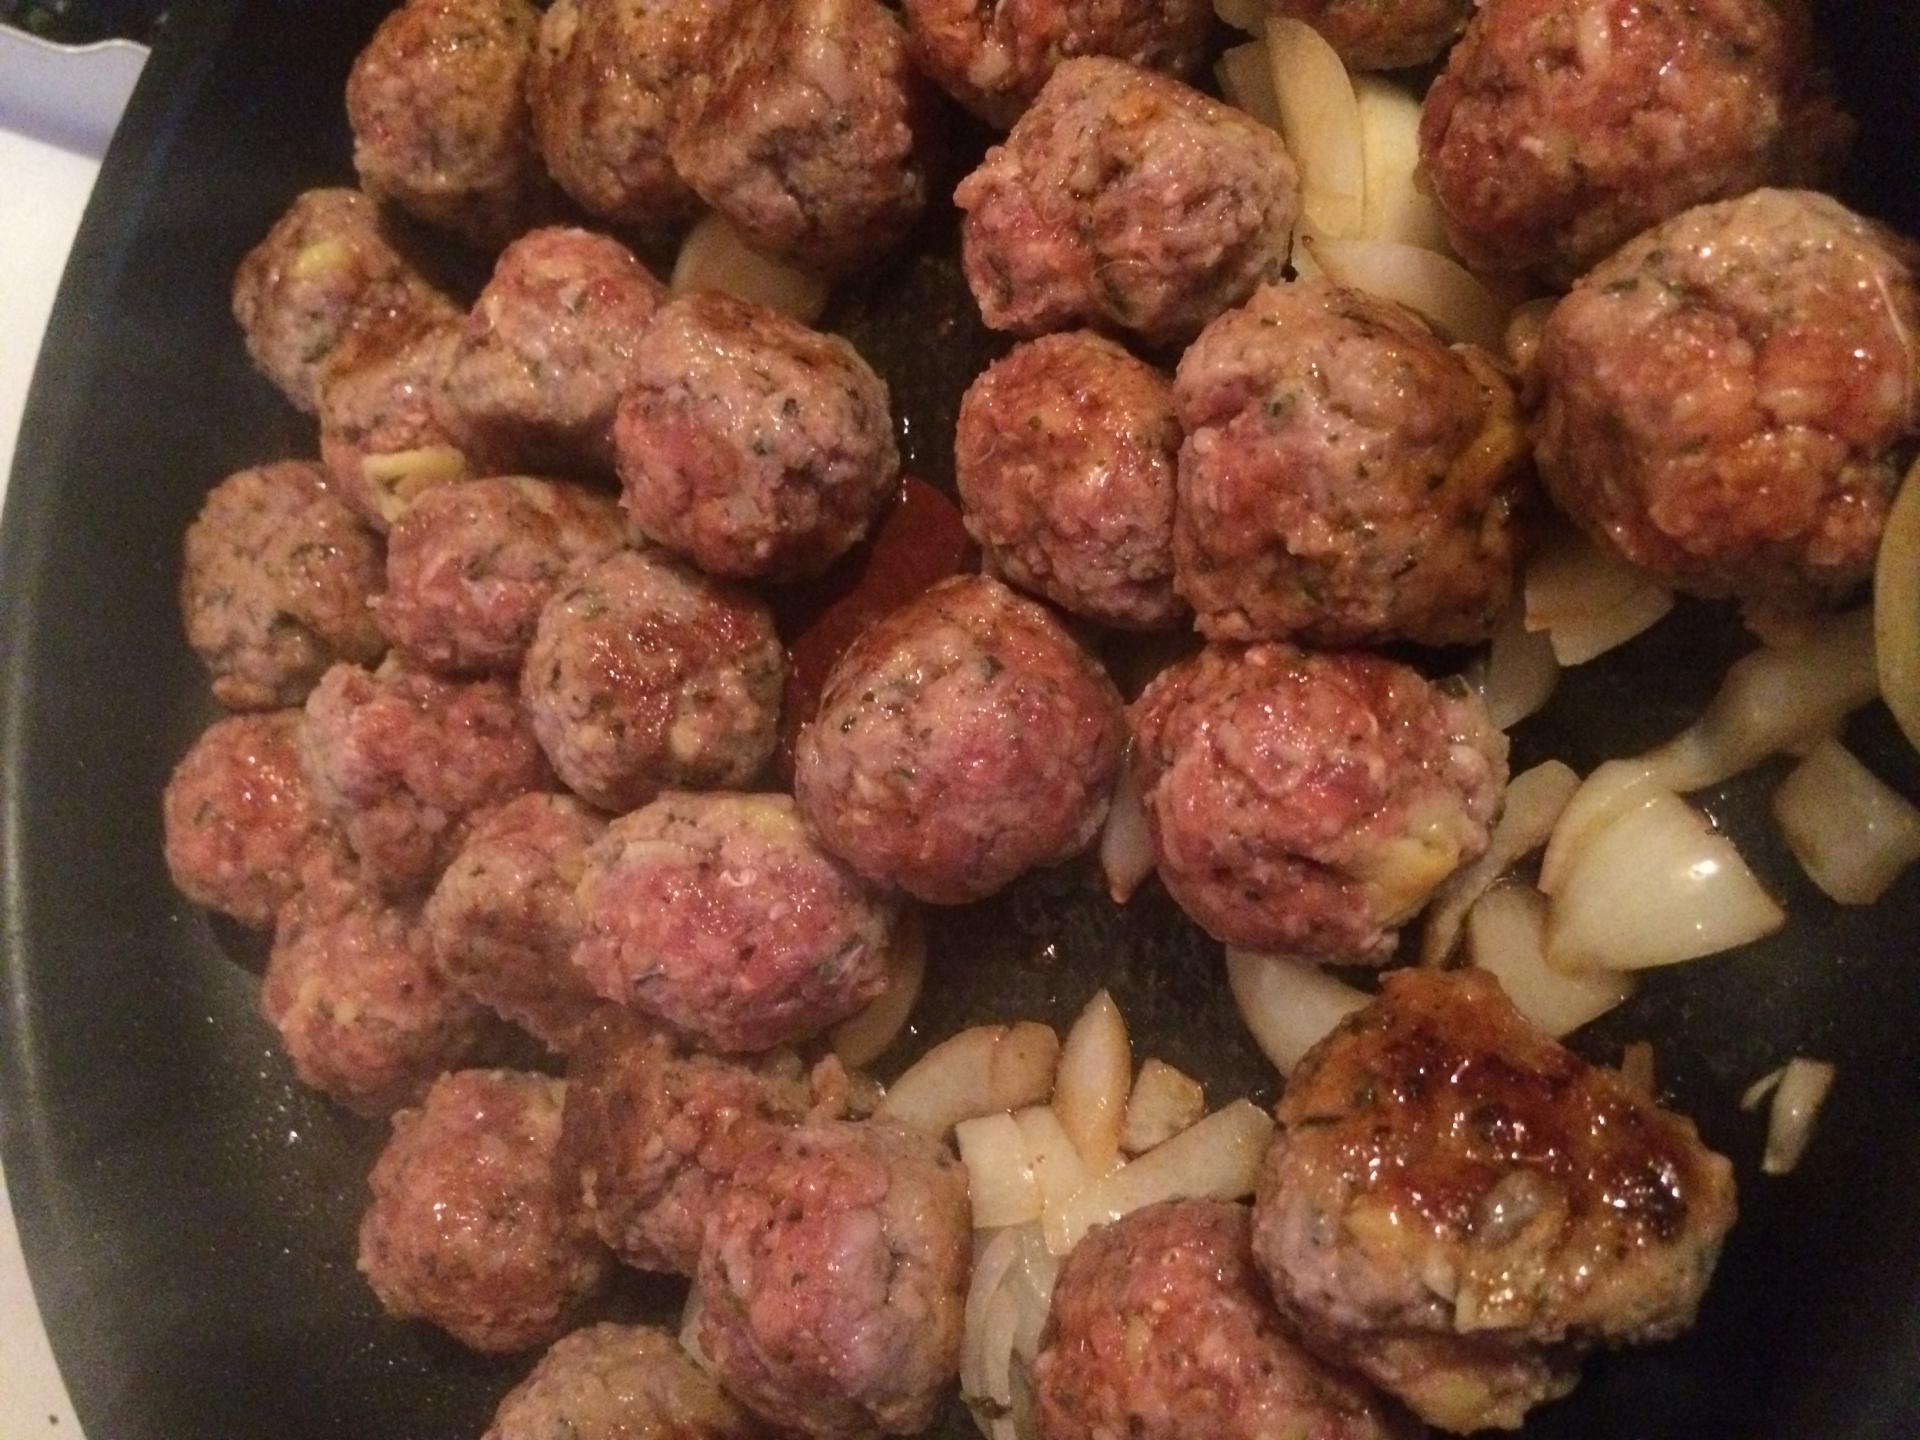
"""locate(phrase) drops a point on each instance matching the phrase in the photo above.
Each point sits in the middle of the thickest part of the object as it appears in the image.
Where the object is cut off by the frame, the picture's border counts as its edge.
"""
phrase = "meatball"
(470, 565)
(402, 759)
(1310, 804)
(994, 55)
(753, 446)
(719, 915)
(439, 117)
(504, 919)
(1456, 1206)
(832, 1279)
(240, 819)
(1346, 477)
(351, 989)
(1562, 128)
(804, 127)
(548, 351)
(1065, 457)
(644, 676)
(274, 588)
(1382, 34)
(469, 1225)
(619, 1382)
(604, 85)
(960, 741)
(1731, 399)
(1125, 200)
(1161, 1329)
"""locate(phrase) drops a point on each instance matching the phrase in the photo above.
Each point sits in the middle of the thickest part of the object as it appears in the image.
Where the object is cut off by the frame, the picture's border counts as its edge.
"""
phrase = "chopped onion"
(1395, 207)
(714, 257)
(977, 1072)
(1616, 786)
(1588, 599)
(1636, 1068)
(1246, 15)
(1532, 807)
(1506, 937)
(1851, 834)
(690, 1331)
(1797, 1100)
(1896, 608)
(1524, 328)
(1006, 1312)
(1440, 290)
(1164, 1102)
(1058, 1169)
(1126, 844)
(1320, 121)
(861, 1039)
(1001, 1181)
(1090, 1091)
(1755, 1093)
(1519, 673)
(1288, 1006)
(1246, 80)
(995, 1253)
(400, 477)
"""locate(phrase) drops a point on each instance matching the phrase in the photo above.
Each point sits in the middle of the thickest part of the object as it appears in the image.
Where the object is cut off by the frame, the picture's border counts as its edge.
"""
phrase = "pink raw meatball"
(1382, 34)
(619, 1382)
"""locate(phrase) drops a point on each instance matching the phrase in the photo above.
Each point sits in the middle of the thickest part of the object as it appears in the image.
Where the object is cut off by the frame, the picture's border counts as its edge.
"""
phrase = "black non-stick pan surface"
(189, 1213)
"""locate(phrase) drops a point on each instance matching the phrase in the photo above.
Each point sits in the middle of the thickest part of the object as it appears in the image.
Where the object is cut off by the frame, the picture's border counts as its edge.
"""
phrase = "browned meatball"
(1731, 399)
(277, 576)
(1162, 1329)
(1562, 128)
(753, 446)
(619, 1382)
(469, 1225)
(548, 351)
(1127, 201)
(1065, 457)
(240, 819)
(1458, 1207)
(644, 675)
(1309, 804)
(803, 128)
(994, 55)
(1346, 477)
(439, 116)
(960, 741)
(402, 760)
(1382, 34)
(504, 919)
(832, 1279)
(719, 915)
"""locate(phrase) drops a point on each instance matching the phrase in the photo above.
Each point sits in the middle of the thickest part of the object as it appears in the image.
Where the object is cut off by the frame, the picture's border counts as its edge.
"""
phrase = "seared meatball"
(548, 350)
(1456, 1206)
(1562, 128)
(240, 818)
(832, 1279)
(1162, 1329)
(644, 675)
(1382, 34)
(719, 915)
(1065, 456)
(994, 55)
(275, 586)
(402, 759)
(753, 446)
(803, 129)
(504, 919)
(1346, 478)
(1126, 201)
(604, 84)
(469, 1225)
(470, 565)
(960, 741)
(439, 116)
(1731, 399)
(619, 1382)
(1309, 804)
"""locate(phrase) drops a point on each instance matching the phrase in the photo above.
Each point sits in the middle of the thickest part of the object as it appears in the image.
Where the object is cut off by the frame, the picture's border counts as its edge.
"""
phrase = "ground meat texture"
(644, 675)
(439, 116)
(804, 129)
(753, 446)
(603, 88)
(504, 920)
(1562, 128)
(1065, 457)
(469, 1226)
(832, 1280)
(1457, 1207)
(1346, 477)
(1382, 34)
(994, 55)
(1161, 1329)
(619, 1382)
(1126, 201)
(719, 915)
(1730, 401)
(275, 583)
(402, 759)
(1309, 804)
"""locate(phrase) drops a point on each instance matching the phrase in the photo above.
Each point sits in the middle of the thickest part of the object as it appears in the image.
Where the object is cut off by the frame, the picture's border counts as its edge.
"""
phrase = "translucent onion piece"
(977, 1072)
(1164, 1102)
(1588, 599)
(1755, 1093)
(861, 1039)
(1090, 1091)
(1531, 808)
(1245, 15)
(1797, 1100)
(714, 257)
(1126, 844)
(1288, 1006)
(1519, 673)
(1611, 789)
(1057, 1167)
(1851, 834)
(1506, 937)
(690, 1331)
(1320, 121)
(1001, 1181)
(1440, 290)
(995, 1253)
(1636, 1068)
(399, 477)
(1394, 206)
(1246, 80)
(1896, 609)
